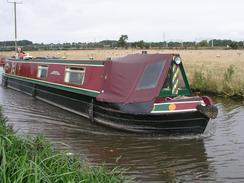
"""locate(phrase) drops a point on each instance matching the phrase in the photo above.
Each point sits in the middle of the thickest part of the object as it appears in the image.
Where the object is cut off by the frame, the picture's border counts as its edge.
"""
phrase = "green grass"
(227, 86)
(32, 160)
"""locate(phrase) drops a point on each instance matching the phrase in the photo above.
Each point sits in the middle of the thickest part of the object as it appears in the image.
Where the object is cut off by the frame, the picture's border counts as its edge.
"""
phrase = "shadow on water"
(214, 156)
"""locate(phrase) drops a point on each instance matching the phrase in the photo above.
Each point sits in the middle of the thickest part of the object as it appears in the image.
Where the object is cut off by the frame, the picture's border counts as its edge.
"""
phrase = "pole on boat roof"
(15, 23)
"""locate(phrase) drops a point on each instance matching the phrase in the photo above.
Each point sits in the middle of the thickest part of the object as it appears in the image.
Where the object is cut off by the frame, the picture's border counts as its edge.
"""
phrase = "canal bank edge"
(34, 160)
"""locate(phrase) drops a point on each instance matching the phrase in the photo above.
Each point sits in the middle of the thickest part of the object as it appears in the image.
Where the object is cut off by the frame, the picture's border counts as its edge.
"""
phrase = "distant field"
(212, 64)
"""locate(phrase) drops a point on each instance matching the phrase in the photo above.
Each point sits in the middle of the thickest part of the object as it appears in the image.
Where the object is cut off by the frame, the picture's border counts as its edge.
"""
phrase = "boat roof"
(135, 78)
(44, 60)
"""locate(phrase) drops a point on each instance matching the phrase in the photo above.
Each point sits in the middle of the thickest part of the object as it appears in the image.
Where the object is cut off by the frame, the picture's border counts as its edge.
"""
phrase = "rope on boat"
(210, 111)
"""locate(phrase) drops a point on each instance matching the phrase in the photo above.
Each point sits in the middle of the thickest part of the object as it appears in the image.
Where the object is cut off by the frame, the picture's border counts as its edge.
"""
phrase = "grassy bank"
(227, 84)
(219, 72)
(32, 160)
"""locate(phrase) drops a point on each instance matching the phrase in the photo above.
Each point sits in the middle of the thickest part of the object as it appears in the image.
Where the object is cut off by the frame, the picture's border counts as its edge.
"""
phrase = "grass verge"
(32, 160)
(226, 85)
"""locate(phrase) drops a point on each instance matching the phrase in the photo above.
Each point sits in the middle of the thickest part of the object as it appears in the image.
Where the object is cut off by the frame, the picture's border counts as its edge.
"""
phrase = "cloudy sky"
(150, 20)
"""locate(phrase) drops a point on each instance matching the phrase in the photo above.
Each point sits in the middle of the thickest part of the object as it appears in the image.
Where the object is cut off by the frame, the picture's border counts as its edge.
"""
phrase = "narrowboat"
(141, 93)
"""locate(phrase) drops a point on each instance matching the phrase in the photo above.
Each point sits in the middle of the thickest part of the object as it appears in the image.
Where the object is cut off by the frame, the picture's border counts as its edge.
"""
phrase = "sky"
(56, 21)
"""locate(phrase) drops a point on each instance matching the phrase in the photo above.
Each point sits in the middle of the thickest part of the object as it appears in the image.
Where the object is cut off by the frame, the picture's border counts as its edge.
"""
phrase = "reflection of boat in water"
(148, 159)
(146, 93)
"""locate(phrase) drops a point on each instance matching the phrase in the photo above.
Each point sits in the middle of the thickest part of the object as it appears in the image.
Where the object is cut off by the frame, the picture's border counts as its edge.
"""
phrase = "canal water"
(217, 155)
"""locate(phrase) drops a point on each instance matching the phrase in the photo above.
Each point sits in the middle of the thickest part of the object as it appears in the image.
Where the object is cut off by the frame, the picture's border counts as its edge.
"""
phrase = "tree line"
(122, 42)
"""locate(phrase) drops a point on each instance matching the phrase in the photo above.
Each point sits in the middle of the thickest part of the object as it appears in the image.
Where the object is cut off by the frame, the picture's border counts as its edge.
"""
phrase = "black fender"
(210, 111)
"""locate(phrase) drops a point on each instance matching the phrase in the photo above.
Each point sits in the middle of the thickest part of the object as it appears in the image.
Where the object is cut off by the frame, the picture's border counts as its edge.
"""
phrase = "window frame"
(67, 69)
(142, 78)
(40, 67)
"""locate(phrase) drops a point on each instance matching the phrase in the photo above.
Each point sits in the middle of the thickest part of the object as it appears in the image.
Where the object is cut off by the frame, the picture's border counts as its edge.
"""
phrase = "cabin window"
(74, 75)
(42, 71)
(150, 76)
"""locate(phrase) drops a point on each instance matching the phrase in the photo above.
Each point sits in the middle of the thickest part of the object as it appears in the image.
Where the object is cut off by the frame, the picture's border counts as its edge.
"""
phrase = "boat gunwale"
(60, 61)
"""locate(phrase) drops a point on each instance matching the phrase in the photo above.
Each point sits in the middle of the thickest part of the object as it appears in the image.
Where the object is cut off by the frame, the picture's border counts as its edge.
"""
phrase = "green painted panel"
(163, 107)
(185, 78)
(184, 92)
(167, 92)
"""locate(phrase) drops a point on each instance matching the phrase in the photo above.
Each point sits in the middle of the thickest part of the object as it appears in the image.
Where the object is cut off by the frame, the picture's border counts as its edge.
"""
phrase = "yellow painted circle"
(172, 107)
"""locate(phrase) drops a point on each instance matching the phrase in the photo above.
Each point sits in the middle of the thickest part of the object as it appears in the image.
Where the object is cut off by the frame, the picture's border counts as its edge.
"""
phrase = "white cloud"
(89, 20)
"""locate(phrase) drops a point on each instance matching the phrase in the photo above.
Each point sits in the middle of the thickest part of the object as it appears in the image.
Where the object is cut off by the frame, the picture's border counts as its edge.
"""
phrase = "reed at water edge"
(226, 85)
(32, 160)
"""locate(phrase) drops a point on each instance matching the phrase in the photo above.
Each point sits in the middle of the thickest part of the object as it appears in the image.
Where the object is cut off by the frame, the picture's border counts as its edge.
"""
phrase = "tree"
(141, 44)
(122, 42)
(234, 45)
(203, 43)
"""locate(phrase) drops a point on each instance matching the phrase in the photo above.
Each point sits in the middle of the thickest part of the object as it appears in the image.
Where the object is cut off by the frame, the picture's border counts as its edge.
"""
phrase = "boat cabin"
(130, 79)
(140, 78)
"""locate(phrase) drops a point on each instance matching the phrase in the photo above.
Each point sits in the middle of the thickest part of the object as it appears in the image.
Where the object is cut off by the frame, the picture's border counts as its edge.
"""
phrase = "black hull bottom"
(188, 122)
(165, 124)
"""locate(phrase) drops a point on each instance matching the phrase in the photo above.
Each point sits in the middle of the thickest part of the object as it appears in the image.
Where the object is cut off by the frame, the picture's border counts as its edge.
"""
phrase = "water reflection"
(148, 159)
